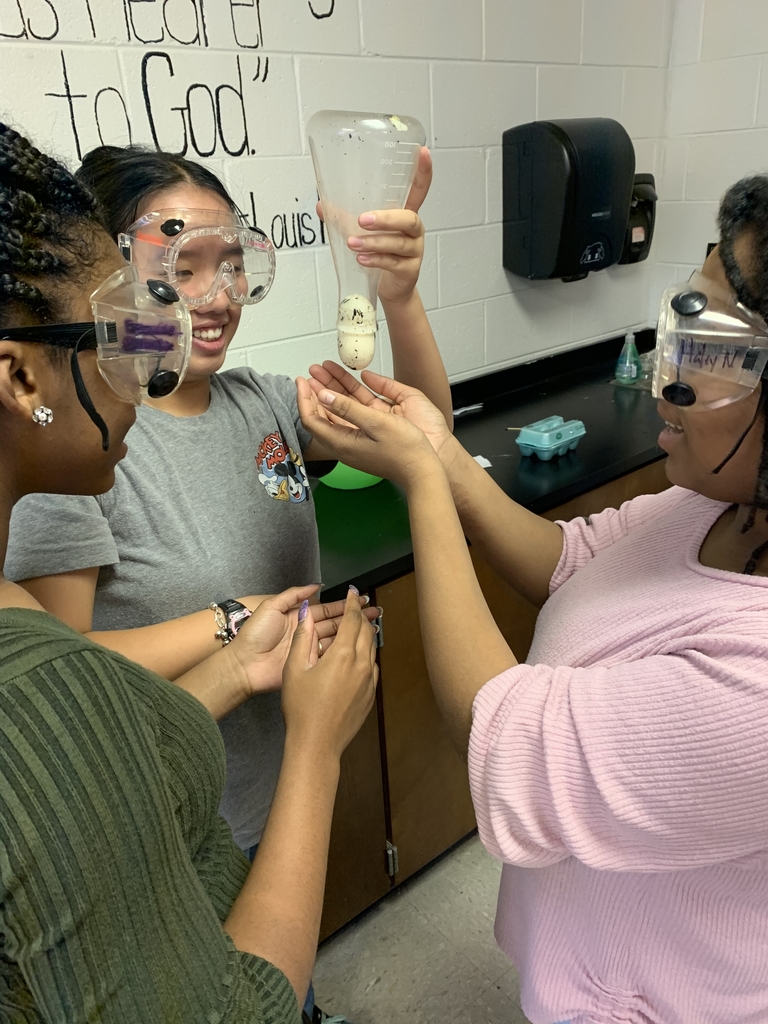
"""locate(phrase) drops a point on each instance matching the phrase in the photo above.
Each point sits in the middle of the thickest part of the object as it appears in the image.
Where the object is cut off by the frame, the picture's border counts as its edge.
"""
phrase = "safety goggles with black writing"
(711, 350)
(142, 335)
(200, 255)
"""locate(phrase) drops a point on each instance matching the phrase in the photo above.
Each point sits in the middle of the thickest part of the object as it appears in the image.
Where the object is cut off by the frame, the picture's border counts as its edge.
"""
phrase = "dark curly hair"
(48, 232)
(744, 208)
(121, 177)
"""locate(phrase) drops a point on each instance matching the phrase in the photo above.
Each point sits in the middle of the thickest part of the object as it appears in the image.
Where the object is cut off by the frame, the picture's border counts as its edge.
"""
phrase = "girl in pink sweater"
(621, 774)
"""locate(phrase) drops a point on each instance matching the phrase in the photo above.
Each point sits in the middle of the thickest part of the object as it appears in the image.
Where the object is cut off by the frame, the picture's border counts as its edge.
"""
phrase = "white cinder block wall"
(717, 126)
(236, 80)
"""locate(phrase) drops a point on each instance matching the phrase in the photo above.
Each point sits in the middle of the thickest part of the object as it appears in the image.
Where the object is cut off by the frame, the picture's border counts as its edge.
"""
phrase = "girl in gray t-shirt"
(212, 501)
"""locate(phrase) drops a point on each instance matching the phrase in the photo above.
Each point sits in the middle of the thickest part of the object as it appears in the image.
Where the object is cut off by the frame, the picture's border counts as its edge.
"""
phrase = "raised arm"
(462, 643)
(393, 241)
(523, 548)
(415, 355)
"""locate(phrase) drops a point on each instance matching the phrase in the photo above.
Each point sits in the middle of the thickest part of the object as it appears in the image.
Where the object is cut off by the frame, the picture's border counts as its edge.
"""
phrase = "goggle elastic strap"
(760, 407)
(82, 394)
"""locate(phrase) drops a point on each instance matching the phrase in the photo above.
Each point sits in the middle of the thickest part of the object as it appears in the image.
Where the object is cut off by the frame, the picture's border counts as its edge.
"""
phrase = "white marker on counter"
(467, 408)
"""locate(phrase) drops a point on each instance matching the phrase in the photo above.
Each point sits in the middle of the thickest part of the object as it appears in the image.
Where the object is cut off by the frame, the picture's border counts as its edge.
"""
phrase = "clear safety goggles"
(710, 350)
(142, 334)
(200, 256)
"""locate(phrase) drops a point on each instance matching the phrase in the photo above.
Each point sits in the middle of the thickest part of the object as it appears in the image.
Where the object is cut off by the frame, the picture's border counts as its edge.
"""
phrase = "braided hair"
(122, 177)
(48, 231)
(744, 208)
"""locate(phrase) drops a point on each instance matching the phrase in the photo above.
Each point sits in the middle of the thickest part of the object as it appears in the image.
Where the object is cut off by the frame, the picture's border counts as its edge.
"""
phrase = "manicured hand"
(264, 640)
(393, 240)
(384, 395)
(326, 702)
(377, 441)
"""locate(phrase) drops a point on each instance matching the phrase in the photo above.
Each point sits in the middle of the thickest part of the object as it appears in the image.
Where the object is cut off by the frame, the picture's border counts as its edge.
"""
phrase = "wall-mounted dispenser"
(567, 193)
(642, 218)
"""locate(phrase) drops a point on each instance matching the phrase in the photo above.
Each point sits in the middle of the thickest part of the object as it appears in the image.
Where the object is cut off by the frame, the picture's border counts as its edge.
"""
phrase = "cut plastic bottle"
(363, 162)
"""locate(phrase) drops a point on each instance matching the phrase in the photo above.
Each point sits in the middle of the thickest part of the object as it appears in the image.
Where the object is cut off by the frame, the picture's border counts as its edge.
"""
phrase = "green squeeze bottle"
(628, 367)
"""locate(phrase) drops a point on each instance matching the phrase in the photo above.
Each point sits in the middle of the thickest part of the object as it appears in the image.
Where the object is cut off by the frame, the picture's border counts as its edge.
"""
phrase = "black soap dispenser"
(642, 218)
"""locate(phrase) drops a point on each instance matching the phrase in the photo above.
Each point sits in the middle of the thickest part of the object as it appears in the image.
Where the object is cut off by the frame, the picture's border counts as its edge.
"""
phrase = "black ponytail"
(121, 178)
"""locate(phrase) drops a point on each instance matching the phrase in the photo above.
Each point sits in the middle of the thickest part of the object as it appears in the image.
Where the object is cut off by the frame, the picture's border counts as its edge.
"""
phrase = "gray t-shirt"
(203, 508)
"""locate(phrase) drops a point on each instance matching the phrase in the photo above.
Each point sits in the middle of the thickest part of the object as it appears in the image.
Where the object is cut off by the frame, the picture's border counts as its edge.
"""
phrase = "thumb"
(302, 645)
(353, 412)
(288, 599)
(392, 390)
(421, 182)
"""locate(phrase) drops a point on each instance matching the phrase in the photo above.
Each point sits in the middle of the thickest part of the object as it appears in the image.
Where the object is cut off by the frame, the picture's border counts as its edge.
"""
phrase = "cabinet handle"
(393, 865)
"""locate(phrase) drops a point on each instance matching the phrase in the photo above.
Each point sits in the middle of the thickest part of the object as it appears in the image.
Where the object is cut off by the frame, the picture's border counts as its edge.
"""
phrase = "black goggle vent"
(689, 303)
(162, 383)
(162, 291)
(678, 393)
(172, 227)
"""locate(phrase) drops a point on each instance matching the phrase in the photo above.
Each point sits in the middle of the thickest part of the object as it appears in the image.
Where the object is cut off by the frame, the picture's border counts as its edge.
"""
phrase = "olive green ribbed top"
(116, 871)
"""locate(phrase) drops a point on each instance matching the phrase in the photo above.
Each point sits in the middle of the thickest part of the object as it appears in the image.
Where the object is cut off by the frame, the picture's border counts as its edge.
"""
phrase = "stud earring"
(42, 416)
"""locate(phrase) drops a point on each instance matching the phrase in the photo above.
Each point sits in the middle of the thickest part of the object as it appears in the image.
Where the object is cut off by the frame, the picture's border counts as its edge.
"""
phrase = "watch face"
(237, 618)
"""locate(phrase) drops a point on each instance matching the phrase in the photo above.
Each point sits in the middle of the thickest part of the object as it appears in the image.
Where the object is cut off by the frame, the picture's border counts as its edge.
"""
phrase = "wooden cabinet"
(357, 866)
(429, 803)
(402, 779)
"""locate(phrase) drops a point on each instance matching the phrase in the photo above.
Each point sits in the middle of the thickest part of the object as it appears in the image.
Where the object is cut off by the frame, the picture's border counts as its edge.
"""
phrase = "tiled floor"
(427, 954)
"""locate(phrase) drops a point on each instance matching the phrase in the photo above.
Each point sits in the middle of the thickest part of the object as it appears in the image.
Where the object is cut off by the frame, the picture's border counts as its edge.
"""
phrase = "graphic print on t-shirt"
(281, 470)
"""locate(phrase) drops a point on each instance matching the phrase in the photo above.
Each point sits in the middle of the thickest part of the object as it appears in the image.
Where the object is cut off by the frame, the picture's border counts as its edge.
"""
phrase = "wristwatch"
(229, 615)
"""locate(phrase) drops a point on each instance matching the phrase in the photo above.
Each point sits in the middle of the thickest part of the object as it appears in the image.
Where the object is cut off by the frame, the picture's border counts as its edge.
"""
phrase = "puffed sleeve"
(53, 533)
(651, 765)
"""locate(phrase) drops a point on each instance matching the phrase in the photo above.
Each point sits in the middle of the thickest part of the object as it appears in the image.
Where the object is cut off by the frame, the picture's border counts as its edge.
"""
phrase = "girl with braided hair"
(621, 773)
(212, 508)
(123, 897)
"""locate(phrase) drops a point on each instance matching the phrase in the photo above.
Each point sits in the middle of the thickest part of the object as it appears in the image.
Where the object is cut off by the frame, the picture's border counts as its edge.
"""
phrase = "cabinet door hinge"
(380, 634)
(392, 863)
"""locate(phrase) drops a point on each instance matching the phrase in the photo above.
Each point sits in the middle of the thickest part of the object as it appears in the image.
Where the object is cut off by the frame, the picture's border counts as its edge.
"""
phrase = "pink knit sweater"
(622, 777)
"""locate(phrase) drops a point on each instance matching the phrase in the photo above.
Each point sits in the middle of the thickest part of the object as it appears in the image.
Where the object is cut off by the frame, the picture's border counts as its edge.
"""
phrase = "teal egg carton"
(550, 437)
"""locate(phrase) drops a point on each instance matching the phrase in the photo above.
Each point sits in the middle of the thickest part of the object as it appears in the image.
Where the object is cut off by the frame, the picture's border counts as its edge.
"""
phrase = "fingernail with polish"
(367, 599)
(354, 589)
(380, 610)
(303, 610)
(376, 629)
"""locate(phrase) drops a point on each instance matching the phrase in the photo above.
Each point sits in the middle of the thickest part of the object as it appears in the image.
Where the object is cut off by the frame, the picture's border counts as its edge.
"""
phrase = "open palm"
(384, 395)
(264, 640)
